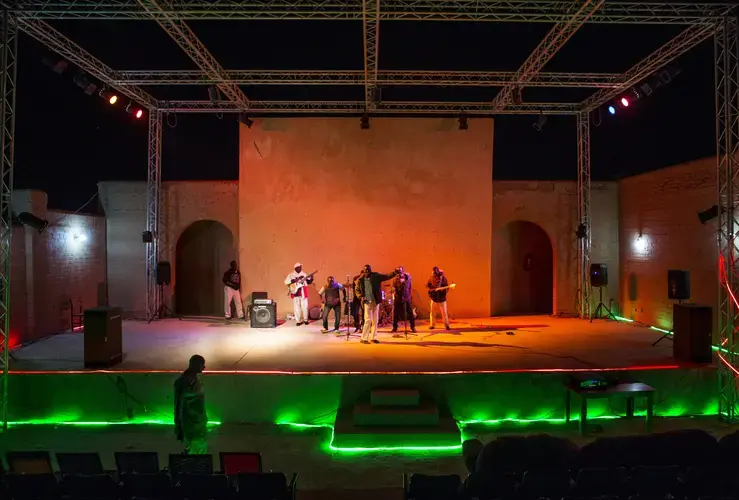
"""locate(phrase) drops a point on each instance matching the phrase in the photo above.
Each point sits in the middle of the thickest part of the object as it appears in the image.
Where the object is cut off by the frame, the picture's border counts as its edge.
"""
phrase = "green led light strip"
(668, 332)
(83, 423)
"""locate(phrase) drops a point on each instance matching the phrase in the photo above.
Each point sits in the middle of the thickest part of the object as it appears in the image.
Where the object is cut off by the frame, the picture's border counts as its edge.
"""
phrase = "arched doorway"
(531, 269)
(204, 251)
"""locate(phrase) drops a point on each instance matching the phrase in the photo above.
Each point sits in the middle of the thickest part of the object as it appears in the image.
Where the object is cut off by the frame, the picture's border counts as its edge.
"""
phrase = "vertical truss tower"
(8, 52)
(726, 52)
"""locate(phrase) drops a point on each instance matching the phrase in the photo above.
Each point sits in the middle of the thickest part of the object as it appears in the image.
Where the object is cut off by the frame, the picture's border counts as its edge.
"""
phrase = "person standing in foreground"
(402, 307)
(300, 296)
(190, 418)
(331, 298)
(368, 288)
(438, 297)
(231, 290)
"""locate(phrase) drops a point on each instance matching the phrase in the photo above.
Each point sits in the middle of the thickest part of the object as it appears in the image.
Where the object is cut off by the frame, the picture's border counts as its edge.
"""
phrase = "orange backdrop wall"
(411, 192)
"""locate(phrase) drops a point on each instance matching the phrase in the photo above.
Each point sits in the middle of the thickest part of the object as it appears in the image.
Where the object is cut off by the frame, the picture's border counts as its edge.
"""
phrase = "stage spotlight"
(82, 82)
(108, 96)
(612, 110)
(58, 66)
(244, 119)
(624, 102)
(540, 122)
(136, 112)
(708, 215)
(364, 123)
(214, 95)
(30, 220)
(463, 125)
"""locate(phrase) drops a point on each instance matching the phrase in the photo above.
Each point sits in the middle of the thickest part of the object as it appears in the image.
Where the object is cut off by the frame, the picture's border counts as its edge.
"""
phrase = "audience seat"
(29, 462)
(233, 463)
(32, 486)
(205, 487)
(425, 487)
(156, 486)
(545, 483)
(92, 487)
(265, 486)
(600, 481)
(79, 463)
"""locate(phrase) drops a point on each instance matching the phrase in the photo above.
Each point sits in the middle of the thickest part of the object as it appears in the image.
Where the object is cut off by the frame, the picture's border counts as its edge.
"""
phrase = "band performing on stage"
(366, 304)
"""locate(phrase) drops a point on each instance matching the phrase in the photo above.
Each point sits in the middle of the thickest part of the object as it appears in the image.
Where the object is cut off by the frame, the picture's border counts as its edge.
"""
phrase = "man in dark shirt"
(231, 293)
(402, 306)
(356, 306)
(331, 298)
(190, 418)
(368, 288)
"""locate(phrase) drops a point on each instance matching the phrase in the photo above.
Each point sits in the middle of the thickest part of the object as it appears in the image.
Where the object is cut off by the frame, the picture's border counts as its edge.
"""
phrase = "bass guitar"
(449, 287)
(292, 288)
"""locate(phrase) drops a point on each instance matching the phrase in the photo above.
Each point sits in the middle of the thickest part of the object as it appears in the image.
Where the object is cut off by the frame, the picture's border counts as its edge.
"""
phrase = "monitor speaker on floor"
(103, 337)
(692, 328)
(598, 275)
(678, 284)
(263, 315)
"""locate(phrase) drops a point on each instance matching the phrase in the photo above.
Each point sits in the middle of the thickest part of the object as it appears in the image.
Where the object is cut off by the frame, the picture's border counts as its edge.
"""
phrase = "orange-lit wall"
(416, 192)
(662, 208)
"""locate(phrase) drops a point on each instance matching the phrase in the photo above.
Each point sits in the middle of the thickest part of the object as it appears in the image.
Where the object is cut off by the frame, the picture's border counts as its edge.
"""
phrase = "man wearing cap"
(300, 295)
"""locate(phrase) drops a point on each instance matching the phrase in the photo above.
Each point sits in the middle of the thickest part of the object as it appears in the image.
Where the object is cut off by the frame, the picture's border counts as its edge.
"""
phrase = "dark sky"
(66, 141)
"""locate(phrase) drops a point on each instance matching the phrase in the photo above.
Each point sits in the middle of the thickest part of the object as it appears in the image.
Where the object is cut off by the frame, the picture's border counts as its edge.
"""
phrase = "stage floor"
(504, 344)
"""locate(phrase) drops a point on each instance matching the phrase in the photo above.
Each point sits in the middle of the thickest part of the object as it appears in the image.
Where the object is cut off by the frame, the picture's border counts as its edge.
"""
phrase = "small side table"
(631, 390)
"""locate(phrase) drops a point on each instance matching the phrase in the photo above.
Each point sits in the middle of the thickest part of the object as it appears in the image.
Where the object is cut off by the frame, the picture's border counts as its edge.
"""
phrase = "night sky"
(67, 141)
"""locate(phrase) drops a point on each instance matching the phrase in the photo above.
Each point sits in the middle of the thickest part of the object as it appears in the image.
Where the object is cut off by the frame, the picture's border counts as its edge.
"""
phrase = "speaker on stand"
(678, 288)
(599, 280)
(164, 278)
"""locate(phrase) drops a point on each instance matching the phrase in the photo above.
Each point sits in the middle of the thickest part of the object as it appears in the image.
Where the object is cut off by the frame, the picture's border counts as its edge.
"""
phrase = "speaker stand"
(163, 311)
(602, 311)
(666, 335)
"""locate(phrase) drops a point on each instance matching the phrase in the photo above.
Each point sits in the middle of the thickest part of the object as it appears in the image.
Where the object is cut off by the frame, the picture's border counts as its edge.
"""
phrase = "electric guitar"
(450, 287)
(292, 288)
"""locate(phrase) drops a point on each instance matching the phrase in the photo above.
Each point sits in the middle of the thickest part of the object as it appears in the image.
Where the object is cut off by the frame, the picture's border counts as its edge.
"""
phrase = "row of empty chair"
(646, 482)
(31, 476)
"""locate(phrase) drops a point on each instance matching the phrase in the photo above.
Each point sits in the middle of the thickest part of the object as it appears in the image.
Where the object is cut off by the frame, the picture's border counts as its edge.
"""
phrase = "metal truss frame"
(703, 20)
(577, 14)
(541, 11)
(371, 29)
(181, 33)
(583, 214)
(153, 215)
(358, 107)
(8, 58)
(357, 77)
(726, 42)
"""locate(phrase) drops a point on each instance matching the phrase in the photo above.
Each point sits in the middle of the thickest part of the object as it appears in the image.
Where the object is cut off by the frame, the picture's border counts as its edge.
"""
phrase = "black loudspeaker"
(692, 327)
(678, 284)
(164, 273)
(264, 315)
(598, 275)
(103, 337)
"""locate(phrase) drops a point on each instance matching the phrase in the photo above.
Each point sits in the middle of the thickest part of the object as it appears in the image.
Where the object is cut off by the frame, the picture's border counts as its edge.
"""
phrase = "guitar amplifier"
(262, 302)
(103, 337)
(263, 315)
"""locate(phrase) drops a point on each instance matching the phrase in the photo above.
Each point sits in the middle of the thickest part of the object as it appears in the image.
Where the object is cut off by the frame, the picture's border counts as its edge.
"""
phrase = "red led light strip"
(279, 372)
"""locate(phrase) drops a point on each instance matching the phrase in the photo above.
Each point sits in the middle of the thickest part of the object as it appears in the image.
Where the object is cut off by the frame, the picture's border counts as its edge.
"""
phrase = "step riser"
(395, 397)
(395, 420)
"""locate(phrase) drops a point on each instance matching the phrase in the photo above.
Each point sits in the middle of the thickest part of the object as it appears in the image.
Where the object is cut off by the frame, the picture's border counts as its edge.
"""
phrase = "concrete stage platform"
(488, 345)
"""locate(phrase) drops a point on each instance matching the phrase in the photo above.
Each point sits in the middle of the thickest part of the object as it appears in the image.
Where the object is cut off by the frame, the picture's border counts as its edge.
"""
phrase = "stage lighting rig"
(82, 82)
(109, 96)
(135, 111)
(244, 118)
(647, 87)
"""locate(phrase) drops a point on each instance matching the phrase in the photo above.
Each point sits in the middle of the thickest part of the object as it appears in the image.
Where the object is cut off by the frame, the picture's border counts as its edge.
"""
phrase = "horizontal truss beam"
(667, 53)
(66, 48)
(358, 107)
(356, 77)
(542, 11)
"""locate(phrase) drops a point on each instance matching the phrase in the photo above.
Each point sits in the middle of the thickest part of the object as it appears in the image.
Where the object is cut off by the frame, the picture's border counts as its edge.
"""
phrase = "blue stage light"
(612, 110)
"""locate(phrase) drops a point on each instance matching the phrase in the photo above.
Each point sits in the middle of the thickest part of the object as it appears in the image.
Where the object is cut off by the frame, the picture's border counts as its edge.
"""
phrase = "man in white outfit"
(300, 295)
(231, 293)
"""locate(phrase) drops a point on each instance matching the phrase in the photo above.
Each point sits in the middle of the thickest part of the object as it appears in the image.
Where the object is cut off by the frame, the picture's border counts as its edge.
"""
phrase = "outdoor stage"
(485, 369)
(487, 345)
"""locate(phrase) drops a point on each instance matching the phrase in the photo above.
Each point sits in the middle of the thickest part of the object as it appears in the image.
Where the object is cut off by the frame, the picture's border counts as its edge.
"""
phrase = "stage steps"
(395, 418)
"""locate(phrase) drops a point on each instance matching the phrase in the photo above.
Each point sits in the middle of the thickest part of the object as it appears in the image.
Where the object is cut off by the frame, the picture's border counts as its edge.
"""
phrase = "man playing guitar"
(438, 287)
(297, 282)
